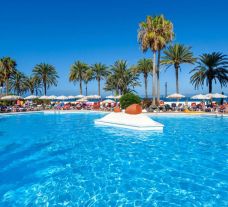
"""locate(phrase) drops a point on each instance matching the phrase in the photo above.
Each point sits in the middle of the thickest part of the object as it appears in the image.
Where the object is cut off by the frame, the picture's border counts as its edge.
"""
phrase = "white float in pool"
(137, 122)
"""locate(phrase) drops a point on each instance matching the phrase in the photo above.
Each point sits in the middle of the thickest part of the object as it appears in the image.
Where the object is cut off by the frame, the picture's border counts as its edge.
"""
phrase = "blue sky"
(59, 32)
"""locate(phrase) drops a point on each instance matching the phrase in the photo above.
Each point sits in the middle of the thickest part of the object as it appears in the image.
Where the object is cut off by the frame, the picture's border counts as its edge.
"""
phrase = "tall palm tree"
(149, 38)
(7, 66)
(210, 67)
(33, 85)
(175, 55)
(165, 32)
(144, 66)
(122, 79)
(77, 72)
(100, 72)
(87, 76)
(46, 74)
(17, 83)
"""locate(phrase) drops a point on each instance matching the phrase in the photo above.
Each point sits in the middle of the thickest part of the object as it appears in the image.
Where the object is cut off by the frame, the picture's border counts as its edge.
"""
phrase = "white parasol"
(31, 97)
(11, 98)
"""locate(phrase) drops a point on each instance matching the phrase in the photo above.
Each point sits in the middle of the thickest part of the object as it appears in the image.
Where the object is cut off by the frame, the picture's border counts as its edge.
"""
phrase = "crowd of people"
(23, 106)
(194, 106)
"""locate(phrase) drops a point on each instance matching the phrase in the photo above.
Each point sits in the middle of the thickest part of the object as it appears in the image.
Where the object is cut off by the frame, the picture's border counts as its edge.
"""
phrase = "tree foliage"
(154, 34)
(210, 67)
(46, 74)
(175, 55)
(7, 68)
(144, 67)
(77, 72)
(121, 79)
(129, 99)
(100, 71)
(17, 83)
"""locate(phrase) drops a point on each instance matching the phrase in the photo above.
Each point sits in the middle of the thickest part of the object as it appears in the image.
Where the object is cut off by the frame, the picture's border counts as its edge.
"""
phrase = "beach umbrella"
(52, 97)
(96, 97)
(200, 97)
(215, 95)
(61, 98)
(79, 96)
(176, 95)
(82, 100)
(108, 101)
(31, 97)
(44, 98)
(111, 96)
(117, 97)
(93, 97)
(70, 97)
(11, 98)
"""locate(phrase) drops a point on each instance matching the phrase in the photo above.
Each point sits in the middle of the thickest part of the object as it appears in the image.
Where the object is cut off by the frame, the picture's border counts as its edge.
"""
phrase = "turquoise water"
(64, 160)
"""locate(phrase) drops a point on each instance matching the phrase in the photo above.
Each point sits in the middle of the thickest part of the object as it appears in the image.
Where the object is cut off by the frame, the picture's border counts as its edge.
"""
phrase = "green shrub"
(128, 99)
(7, 102)
(40, 101)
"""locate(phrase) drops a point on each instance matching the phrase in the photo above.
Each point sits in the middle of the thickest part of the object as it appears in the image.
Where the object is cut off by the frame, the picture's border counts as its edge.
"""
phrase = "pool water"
(65, 160)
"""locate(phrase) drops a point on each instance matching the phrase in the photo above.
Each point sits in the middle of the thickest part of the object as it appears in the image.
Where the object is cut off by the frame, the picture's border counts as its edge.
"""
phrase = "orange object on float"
(117, 109)
(133, 109)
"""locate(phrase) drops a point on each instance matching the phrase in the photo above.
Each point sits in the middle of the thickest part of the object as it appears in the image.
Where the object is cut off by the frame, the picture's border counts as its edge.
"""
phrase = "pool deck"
(105, 112)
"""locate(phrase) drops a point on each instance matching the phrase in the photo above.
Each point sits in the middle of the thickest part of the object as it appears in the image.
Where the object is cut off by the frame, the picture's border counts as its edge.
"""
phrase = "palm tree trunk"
(210, 85)
(158, 76)
(99, 87)
(45, 88)
(1, 87)
(7, 86)
(117, 91)
(145, 81)
(177, 78)
(80, 83)
(86, 89)
(154, 79)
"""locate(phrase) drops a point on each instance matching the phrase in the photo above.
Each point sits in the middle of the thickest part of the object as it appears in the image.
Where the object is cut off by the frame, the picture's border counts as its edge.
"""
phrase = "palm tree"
(17, 83)
(100, 72)
(210, 67)
(87, 76)
(111, 84)
(175, 56)
(33, 85)
(148, 36)
(122, 79)
(46, 74)
(77, 71)
(130, 81)
(7, 66)
(165, 32)
(144, 66)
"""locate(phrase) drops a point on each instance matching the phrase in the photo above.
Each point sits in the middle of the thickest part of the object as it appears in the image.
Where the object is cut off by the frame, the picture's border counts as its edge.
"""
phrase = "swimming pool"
(65, 160)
